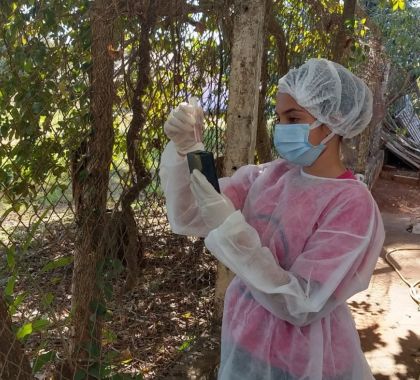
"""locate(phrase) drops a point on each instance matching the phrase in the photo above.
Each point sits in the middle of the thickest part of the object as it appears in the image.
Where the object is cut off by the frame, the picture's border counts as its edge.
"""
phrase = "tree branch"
(172, 9)
(276, 30)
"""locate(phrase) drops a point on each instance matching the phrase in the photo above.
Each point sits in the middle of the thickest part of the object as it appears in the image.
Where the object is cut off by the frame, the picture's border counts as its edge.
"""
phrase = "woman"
(302, 234)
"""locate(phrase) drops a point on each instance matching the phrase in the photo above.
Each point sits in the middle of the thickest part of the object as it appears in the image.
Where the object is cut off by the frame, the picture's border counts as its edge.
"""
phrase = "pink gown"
(326, 233)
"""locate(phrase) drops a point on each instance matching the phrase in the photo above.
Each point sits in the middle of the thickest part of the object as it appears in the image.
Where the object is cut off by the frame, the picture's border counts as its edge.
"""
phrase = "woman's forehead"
(285, 102)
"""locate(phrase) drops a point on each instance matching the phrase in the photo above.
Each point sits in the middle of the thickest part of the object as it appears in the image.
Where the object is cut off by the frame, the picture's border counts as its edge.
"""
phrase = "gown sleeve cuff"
(238, 246)
(237, 231)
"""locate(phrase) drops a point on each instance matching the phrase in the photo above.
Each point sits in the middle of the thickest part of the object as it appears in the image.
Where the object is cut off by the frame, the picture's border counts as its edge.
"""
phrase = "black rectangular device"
(204, 162)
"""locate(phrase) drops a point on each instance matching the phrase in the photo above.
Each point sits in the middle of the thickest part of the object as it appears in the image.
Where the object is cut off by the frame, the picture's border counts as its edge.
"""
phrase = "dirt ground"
(154, 326)
(148, 329)
(397, 198)
(387, 318)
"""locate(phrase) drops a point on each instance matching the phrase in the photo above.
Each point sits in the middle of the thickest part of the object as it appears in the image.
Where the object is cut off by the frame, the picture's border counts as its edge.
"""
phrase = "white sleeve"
(183, 212)
(295, 295)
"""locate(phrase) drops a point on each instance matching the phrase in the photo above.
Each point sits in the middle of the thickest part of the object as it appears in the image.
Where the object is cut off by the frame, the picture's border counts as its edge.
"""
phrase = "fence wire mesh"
(146, 329)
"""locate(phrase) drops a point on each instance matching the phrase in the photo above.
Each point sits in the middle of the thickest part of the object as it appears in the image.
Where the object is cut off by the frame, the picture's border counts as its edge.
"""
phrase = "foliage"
(400, 24)
(43, 97)
(45, 61)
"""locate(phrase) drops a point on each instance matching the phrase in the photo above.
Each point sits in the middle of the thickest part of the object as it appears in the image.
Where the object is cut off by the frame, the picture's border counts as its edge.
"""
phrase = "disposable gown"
(325, 233)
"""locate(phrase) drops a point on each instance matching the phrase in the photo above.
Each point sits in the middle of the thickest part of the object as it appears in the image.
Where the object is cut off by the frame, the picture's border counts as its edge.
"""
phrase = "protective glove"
(238, 246)
(184, 127)
(214, 207)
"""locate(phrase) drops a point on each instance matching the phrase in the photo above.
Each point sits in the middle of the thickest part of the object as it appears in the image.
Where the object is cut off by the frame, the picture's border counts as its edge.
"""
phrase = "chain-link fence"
(149, 296)
(150, 325)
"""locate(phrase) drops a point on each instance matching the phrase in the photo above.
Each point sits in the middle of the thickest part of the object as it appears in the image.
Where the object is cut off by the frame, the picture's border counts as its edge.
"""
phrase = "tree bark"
(140, 178)
(362, 153)
(242, 113)
(263, 145)
(376, 70)
(87, 287)
(344, 35)
(276, 30)
(13, 362)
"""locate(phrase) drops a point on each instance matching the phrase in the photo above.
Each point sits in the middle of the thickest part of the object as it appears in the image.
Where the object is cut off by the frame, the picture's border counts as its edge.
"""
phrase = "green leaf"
(58, 263)
(16, 303)
(41, 360)
(31, 327)
(93, 350)
(184, 346)
(25, 330)
(40, 324)
(10, 286)
(47, 299)
(11, 262)
(109, 336)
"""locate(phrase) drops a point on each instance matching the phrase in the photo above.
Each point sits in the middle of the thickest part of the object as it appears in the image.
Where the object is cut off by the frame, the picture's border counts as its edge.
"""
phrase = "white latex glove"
(214, 207)
(184, 127)
(238, 246)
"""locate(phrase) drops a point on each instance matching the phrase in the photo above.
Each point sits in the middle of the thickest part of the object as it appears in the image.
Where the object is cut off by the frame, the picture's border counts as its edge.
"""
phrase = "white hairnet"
(332, 94)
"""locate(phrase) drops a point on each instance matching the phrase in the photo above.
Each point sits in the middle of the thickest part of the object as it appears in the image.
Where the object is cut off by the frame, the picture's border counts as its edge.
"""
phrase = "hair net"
(332, 94)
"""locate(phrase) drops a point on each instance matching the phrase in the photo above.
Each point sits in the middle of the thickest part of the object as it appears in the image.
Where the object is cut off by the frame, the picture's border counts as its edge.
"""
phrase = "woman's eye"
(293, 120)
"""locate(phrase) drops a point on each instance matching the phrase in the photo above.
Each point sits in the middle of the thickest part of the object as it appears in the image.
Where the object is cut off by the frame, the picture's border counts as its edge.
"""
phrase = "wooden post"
(242, 112)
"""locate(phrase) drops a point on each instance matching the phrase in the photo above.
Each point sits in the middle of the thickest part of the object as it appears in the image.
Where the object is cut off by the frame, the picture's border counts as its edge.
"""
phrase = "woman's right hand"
(184, 127)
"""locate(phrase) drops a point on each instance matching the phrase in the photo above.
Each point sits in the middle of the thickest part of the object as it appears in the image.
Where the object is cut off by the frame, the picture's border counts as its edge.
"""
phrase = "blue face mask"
(292, 143)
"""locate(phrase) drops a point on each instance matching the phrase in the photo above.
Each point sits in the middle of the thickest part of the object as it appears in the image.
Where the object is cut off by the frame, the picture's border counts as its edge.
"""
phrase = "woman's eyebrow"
(290, 110)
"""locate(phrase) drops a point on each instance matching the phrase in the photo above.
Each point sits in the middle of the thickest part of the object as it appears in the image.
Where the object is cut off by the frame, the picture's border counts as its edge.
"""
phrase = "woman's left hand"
(214, 207)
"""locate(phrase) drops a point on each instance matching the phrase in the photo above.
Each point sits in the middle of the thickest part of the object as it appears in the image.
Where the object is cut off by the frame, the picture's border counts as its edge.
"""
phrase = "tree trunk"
(263, 145)
(345, 32)
(362, 153)
(368, 145)
(276, 30)
(13, 362)
(91, 189)
(140, 178)
(242, 113)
